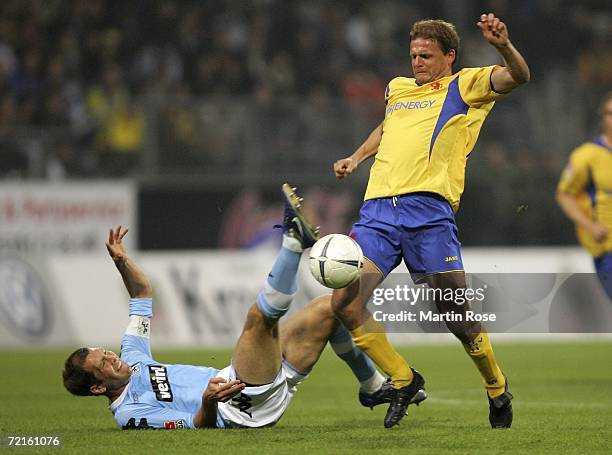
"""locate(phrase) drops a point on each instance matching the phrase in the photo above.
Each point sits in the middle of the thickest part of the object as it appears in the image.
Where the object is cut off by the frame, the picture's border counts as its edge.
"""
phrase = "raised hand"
(344, 167)
(114, 244)
(493, 30)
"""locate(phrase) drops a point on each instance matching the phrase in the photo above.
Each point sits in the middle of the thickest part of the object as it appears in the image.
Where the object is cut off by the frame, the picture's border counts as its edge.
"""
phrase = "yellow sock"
(372, 339)
(481, 352)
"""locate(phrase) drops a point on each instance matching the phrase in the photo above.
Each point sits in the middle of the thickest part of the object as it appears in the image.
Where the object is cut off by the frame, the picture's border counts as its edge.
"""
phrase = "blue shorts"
(603, 266)
(418, 227)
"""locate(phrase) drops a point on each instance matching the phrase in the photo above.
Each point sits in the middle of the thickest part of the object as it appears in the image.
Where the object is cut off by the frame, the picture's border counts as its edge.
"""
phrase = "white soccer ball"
(335, 261)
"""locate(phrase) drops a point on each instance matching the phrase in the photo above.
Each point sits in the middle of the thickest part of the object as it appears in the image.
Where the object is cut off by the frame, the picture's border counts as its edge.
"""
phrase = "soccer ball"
(335, 261)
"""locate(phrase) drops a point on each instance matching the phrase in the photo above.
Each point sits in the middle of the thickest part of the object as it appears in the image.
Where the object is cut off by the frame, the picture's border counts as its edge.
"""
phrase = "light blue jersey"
(158, 395)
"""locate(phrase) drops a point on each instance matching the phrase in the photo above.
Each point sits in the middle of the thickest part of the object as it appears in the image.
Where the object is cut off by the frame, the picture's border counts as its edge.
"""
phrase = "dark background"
(198, 101)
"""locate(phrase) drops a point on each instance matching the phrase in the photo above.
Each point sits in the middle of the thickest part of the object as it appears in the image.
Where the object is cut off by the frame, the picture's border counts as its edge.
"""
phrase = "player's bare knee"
(325, 316)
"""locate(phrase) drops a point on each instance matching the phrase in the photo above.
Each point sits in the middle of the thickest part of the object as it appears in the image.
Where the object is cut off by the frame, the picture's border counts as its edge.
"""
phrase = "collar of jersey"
(115, 404)
(413, 80)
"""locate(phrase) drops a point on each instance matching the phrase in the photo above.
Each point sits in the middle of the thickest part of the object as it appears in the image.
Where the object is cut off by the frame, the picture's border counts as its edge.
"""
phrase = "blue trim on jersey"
(591, 190)
(453, 105)
(599, 141)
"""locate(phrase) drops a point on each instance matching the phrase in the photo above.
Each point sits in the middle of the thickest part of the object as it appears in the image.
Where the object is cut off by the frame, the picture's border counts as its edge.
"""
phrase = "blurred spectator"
(119, 124)
(362, 86)
(274, 86)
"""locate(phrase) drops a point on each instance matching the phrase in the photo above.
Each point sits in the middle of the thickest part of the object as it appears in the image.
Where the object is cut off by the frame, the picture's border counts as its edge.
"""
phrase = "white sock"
(291, 243)
(373, 384)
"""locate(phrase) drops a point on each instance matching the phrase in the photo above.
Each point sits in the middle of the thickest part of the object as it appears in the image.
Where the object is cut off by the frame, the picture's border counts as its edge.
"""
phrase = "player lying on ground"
(268, 363)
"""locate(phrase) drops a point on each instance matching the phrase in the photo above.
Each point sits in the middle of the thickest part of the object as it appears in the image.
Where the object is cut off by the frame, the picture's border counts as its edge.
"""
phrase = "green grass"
(563, 403)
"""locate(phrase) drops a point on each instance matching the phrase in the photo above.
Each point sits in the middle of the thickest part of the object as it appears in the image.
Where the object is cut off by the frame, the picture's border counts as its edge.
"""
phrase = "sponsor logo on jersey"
(159, 381)
(136, 368)
(174, 424)
(451, 258)
(436, 86)
(410, 105)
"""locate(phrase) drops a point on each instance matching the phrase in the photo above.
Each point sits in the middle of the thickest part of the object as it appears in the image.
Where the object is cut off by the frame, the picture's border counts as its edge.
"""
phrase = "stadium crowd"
(91, 88)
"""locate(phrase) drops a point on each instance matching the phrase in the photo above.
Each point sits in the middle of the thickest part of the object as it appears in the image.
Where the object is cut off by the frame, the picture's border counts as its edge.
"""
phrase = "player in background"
(585, 195)
(421, 148)
(268, 362)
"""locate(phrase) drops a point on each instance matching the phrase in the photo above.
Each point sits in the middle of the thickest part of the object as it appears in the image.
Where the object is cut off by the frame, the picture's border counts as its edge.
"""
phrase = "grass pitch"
(563, 403)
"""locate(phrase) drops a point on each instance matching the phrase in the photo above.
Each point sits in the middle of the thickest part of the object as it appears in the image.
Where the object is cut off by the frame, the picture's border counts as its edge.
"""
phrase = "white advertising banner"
(63, 217)
(31, 311)
(200, 298)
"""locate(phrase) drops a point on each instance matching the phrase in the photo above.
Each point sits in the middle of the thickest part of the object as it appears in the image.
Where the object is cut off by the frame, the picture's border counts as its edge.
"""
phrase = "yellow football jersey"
(428, 133)
(588, 176)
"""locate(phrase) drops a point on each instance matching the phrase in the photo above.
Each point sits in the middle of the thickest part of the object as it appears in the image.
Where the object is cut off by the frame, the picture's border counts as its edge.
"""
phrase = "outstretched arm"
(346, 166)
(136, 282)
(516, 71)
(135, 346)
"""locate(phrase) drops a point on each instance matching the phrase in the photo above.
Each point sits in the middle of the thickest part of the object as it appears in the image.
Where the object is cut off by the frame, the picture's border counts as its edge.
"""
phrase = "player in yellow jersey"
(585, 195)
(421, 148)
